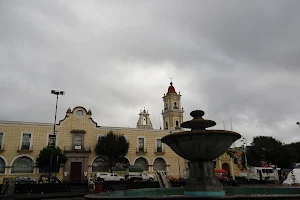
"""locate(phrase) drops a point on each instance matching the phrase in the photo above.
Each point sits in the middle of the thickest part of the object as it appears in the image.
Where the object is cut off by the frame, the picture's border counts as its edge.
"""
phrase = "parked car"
(105, 176)
(24, 180)
(133, 173)
(45, 179)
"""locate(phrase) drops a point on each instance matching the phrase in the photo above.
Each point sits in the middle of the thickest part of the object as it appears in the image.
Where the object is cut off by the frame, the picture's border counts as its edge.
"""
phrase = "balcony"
(25, 148)
(159, 150)
(175, 107)
(178, 128)
(141, 150)
(77, 148)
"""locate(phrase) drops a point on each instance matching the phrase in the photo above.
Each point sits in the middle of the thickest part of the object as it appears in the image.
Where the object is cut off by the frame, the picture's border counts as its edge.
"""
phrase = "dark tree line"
(272, 151)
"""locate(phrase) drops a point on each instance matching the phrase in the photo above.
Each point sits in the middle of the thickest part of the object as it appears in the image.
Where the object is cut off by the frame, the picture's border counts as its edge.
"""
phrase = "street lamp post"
(246, 161)
(57, 93)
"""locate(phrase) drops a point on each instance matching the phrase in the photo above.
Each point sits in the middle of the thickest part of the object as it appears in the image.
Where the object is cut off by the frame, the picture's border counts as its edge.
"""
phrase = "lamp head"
(298, 123)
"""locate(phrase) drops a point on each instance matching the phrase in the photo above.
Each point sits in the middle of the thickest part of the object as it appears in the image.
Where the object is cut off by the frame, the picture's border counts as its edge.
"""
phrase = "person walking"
(276, 176)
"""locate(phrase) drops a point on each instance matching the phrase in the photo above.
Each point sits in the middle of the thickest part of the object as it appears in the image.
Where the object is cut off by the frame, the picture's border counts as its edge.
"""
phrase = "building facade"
(77, 135)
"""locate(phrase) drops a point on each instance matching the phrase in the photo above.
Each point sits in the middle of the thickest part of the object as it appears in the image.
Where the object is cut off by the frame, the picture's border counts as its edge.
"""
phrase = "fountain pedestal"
(201, 147)
(202, 181)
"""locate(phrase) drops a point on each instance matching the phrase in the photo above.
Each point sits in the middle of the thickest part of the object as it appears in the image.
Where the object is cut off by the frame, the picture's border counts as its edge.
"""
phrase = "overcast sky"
(237, 59)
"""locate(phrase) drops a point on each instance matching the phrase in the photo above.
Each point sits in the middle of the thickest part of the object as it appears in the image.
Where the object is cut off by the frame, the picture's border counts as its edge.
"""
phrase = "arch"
(22, 164)
(142, 162)
(121, 164)
(159, 164)
(226, 167)
(99, 164)
(3, 164)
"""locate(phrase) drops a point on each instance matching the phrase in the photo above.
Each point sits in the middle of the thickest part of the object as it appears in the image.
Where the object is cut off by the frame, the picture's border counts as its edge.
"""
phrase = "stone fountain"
(200, 147)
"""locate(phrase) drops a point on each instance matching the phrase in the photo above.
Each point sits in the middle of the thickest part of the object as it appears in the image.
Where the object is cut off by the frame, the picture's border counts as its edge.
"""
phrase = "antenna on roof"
(231, 124)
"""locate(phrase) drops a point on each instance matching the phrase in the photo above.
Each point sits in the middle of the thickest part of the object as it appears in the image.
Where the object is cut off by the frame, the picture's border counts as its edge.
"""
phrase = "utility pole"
(57, 93)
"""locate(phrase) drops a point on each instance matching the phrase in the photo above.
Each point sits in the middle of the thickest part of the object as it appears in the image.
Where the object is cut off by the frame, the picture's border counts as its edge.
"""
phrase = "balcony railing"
(77, 148)
(25, 147)
(141, 150)
(159, 150)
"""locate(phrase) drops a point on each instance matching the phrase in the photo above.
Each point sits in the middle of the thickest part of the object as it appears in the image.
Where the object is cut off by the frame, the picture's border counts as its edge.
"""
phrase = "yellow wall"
(13, 130)
(12, 137)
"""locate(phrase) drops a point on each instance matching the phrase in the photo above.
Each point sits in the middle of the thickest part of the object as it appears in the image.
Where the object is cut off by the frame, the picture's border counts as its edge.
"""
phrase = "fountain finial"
(198, 123)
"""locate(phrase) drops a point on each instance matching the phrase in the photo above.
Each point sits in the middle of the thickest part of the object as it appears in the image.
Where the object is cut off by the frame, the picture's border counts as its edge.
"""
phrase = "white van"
(261, 173)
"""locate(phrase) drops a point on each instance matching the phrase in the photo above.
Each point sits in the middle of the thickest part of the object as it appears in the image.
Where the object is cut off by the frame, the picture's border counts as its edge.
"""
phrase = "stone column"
(203, 181)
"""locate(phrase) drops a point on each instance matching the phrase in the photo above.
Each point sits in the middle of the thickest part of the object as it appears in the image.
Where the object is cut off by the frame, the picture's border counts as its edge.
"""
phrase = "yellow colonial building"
(77, 135)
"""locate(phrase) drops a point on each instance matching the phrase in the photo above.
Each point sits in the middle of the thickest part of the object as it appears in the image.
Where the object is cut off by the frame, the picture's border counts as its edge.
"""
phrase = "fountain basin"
(201, 144)
(246, 192)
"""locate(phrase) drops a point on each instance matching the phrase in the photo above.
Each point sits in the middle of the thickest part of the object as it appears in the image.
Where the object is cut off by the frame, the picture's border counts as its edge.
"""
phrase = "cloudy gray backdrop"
(235, 59)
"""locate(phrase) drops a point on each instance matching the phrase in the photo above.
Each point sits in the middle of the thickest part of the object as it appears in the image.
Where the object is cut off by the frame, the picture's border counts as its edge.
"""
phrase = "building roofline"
(100, 128)
(26, 123)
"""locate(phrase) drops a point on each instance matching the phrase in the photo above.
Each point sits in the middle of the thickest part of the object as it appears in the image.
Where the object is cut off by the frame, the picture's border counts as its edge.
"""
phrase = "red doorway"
(226, 167)
(75, 173)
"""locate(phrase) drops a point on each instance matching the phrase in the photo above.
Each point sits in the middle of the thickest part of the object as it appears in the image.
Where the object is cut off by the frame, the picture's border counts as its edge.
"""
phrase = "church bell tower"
(144, 121)
(172, 112)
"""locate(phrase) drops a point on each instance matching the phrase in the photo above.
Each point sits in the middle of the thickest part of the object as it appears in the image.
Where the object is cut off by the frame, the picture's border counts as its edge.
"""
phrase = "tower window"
(166, 126)
(144, 120)
(175, 105)
(166, 106)
(177, 123)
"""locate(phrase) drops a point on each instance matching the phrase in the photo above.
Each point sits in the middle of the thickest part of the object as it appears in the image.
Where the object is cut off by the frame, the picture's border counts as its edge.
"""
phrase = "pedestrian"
(276, 176)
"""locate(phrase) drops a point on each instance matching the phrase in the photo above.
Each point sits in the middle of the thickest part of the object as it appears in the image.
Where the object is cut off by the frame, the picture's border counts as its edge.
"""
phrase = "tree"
(43, 159)
(272, 151)
(112, 146)
(296, 147)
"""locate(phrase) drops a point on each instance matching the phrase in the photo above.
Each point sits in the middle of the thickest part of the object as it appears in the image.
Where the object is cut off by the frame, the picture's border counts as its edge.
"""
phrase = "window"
(78, 142)
(142, 163)
(2, 166)
(22, 164)
(99, 137)
(141, 144)
(144, 120)
(158, 145)
(166, 126)
(177, 123)
(1, 141)
(159, 165)
(52, 139)
(100, 165)
(26, 141)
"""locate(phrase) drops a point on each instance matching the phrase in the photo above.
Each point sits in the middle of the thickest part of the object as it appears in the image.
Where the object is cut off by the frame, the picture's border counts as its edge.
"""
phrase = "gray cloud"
(233, 59)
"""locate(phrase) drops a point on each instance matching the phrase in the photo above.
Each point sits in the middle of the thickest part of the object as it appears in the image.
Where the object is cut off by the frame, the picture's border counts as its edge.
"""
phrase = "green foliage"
(112, 146)
(296, 147)
(264, 148)
(43, 159)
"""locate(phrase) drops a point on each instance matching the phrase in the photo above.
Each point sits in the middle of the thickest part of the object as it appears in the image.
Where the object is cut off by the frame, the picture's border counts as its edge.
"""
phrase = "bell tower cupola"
(144, 121)
(173, 112)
